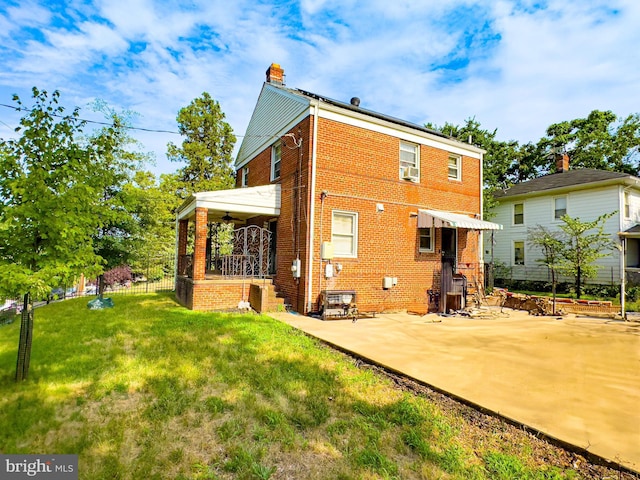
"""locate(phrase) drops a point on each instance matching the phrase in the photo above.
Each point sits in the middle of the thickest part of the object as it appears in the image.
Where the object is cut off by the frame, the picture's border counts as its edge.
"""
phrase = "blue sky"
(515, 65)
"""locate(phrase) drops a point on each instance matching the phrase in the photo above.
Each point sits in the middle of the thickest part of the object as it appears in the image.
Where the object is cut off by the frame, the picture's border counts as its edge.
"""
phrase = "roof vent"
(355, 101)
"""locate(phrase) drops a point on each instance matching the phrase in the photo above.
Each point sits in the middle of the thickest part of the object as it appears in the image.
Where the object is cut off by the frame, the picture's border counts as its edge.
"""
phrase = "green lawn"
(151, 390)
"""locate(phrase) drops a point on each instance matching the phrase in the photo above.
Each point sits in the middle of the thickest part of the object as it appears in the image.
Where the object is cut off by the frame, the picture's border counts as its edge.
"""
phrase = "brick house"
(356, 201)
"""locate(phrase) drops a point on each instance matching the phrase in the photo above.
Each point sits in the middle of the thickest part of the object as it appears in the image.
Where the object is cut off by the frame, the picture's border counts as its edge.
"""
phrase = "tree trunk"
(553, 290)
(579, 283)
(26, 334)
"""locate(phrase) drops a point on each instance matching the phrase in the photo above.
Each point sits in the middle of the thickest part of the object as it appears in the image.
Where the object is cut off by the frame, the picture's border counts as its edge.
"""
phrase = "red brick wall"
(359, 168)
(200, 244)
(288, 240)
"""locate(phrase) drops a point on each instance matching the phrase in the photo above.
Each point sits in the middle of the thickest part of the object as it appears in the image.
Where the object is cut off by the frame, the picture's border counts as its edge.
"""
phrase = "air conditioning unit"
(410, 173)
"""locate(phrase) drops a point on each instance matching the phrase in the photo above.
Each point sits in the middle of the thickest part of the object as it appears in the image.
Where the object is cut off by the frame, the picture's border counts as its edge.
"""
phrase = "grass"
(151, 390)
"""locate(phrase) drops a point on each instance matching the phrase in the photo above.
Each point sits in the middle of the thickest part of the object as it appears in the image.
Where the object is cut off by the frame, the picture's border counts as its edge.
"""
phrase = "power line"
(128, 127)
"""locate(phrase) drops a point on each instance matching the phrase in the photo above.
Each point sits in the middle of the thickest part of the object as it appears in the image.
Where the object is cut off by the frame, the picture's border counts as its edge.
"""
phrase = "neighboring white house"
(581, 193)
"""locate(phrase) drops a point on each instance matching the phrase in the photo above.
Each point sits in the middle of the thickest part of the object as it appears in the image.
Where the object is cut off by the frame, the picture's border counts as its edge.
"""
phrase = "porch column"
(182, 244)
(200, 247)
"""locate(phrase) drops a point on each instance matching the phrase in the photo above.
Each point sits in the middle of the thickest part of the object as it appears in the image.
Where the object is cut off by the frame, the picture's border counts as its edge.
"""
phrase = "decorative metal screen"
(250, 257)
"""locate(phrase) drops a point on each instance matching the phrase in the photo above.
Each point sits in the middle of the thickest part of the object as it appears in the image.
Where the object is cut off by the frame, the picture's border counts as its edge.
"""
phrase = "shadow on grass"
(135, 389)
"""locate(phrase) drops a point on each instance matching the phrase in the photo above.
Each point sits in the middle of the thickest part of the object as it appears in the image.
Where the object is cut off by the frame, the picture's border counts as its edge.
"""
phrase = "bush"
(118, 276)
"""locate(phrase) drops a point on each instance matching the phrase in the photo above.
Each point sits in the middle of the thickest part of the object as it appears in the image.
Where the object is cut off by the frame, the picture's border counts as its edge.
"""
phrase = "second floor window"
(245, 176)
(627, 207)
(455, 167)
(560, 208)
(409, 161)
(276, 160)
(518, 214)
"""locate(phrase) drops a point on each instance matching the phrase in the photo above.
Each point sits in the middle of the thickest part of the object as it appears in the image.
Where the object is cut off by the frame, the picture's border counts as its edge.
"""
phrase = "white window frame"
(245, 176)
(421, 233)
(413, 149)
(458, 167)
(626, 205)
(524, 256)
(276, 160)
(353, 253)
(566, 209)
(513, 218)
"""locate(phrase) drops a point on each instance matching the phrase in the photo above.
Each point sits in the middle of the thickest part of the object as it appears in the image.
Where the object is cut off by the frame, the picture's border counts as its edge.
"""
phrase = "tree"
(207, 148)
(52, 182)
(552, 245)
(600, 141)
(582, 249)
(114, 240)
(499, 156)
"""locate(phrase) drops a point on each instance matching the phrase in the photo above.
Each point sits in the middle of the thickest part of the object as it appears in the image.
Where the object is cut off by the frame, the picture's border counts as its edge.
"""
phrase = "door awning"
(439, 219)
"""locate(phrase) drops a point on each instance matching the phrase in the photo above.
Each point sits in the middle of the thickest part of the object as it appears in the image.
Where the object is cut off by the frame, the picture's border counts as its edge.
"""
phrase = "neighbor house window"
(409, 161)
(276, 159)
(455, 164)
(344, 234)
(518, 214)
(518, 253)
(560, 207)
(426, 239)
(627, 207)
(245, 176)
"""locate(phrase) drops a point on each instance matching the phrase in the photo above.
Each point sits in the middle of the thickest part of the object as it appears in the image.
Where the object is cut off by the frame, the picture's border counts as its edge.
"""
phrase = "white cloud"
(548, 64)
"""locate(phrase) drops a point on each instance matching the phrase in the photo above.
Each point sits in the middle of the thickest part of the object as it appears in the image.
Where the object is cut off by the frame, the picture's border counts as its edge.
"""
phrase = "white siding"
(586, 205)
(276, 112)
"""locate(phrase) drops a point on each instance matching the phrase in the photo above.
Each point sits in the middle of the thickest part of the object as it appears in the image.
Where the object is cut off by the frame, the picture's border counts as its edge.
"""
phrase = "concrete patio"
(576, 379)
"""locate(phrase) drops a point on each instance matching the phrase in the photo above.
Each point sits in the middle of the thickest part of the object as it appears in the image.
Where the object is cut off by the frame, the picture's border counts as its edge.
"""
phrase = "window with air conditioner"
(409, 161)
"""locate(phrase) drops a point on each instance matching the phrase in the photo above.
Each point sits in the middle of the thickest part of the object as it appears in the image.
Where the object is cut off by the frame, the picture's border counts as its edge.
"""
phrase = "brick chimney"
(562, 162)
(275, 74)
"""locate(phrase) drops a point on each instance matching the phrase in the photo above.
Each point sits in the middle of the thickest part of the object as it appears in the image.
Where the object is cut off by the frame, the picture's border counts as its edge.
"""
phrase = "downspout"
(312, 207)
(481, 234)
(177, 255)
(623, 293)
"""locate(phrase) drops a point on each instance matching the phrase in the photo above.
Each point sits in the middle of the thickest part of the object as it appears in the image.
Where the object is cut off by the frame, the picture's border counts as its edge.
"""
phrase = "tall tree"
(497, 160)
(207, 148)
(52, 181)
(114, 240)
(601, 141)
(585, 242)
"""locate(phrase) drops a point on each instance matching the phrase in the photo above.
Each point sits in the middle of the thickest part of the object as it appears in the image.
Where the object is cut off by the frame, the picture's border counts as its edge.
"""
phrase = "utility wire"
(128, 127)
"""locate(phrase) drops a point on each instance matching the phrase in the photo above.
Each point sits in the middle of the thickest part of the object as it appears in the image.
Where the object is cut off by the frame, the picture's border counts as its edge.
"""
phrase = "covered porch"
(224, 244)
